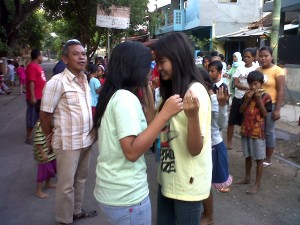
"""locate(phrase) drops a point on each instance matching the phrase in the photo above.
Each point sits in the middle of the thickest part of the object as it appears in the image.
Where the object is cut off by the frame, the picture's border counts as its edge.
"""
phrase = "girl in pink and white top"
(22, 77)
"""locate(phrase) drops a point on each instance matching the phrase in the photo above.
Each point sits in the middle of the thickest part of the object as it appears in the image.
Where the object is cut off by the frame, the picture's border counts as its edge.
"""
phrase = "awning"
(291, 26)
(286, 6)
(256, 32)
(246, 33)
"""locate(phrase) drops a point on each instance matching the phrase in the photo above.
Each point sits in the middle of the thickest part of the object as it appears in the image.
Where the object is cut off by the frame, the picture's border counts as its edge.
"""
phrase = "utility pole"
(275, 28)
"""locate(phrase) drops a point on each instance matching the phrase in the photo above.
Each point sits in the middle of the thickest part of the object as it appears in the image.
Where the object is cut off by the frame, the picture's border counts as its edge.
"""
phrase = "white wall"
(293, 77)
(228, 17)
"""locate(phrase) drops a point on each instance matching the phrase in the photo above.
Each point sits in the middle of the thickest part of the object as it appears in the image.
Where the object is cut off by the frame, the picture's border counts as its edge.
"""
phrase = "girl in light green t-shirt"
(124, 110)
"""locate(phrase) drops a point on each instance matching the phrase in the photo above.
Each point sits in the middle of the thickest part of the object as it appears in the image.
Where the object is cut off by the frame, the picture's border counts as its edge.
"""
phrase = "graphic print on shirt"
(266, 77)
(167, 156)
(253, 125)
(43, 76)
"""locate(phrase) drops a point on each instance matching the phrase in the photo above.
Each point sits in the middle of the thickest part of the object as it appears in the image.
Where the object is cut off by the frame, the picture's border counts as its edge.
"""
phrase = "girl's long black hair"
(177, 48)
(128, 67)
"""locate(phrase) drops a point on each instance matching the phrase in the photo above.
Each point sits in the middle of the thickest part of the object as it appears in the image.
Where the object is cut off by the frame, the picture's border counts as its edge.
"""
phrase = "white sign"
(119, 17)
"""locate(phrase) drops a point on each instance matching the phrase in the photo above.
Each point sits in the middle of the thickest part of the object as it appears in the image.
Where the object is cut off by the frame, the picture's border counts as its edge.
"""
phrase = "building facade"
(206, 19)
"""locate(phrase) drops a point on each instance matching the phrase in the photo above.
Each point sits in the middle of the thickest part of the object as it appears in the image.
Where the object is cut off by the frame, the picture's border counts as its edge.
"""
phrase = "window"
(228, 1)
(177, 17)
(185, 4)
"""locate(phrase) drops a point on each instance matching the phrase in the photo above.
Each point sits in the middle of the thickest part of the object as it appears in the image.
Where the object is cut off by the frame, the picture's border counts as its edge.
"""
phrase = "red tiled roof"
(267, 20)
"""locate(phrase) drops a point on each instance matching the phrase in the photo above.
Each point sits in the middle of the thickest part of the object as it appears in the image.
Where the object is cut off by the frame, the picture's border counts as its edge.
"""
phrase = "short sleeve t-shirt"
(11, 69)
(120, 182)
(181, 175)
(35, 73)
(21, 73)
(94, 85)
(270, 76)
(242, 73)
(253, 125)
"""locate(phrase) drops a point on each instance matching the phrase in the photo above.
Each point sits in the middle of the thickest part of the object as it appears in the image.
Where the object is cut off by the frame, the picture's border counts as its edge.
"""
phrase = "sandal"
(266, 164)
(224, 189)
(85, 214)
(29, 141)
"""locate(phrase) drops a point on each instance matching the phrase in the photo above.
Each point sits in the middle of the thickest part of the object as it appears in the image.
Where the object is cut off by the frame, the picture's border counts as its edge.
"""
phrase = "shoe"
(8, 93)
(266, 164)
(29, 141)
(85, 214)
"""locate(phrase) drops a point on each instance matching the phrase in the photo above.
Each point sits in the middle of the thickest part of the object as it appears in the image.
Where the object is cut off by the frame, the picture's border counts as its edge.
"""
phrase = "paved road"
(275, 204)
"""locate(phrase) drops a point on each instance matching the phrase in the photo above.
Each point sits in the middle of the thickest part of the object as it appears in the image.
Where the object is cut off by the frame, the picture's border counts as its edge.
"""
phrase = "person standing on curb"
(11, 73)
(35, 82)
(274, 84)
(66, 119)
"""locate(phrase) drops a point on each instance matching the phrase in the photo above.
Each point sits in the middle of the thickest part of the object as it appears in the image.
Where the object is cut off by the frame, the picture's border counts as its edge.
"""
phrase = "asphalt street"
(276, 203)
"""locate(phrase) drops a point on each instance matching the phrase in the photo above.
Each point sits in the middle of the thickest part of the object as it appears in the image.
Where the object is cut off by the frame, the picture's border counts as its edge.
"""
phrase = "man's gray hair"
(69, 43)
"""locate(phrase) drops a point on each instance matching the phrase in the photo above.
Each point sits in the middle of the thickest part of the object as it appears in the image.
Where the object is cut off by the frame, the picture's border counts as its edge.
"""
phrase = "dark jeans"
(176, 212)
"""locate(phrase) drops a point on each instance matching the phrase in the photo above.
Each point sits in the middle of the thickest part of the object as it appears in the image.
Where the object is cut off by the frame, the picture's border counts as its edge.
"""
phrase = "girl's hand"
(222, 96)
(45, 157)
(276, 114)
(210, 92)
(191, 105)
(173, 105)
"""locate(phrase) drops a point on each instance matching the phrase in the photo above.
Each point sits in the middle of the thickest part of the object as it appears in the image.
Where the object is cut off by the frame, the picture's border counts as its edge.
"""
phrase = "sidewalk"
(290, 115)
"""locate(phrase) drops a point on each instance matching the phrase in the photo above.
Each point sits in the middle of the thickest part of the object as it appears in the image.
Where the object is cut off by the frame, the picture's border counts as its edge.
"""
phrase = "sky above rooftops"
(160, 3)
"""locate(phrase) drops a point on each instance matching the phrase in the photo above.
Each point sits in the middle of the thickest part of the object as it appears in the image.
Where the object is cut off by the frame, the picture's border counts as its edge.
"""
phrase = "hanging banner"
(119, 17)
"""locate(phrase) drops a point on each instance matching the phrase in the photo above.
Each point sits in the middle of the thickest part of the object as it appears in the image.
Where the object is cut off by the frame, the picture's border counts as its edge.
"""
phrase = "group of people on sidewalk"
(124, 123)
(12, 69)
(272, 84)
(256, 86)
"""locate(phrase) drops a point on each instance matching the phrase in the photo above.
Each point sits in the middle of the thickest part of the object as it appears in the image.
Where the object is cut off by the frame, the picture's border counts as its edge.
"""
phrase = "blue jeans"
(172, 211)
(139, 214)
(270, 130)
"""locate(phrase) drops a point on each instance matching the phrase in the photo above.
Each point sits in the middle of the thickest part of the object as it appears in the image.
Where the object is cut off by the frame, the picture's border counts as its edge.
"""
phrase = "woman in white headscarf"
(237, 61)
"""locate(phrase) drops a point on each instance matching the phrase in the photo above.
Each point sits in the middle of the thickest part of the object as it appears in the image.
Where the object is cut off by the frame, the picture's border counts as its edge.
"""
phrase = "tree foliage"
(13, 15)
(21, 23)
(155, 19)
(38, 27)
(204, 44)
(80, 20)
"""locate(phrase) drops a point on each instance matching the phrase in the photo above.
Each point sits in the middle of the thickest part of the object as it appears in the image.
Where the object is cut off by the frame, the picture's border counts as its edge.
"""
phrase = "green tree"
(80, 20)
(204, 44)
(13, 16)
(38, 27)
(155, 19)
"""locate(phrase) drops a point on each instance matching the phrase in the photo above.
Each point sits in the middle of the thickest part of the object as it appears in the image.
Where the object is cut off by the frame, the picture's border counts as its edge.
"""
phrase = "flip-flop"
(224, 189)
(240, 149)
(85, 214)
(251, 193)
(266, 164)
